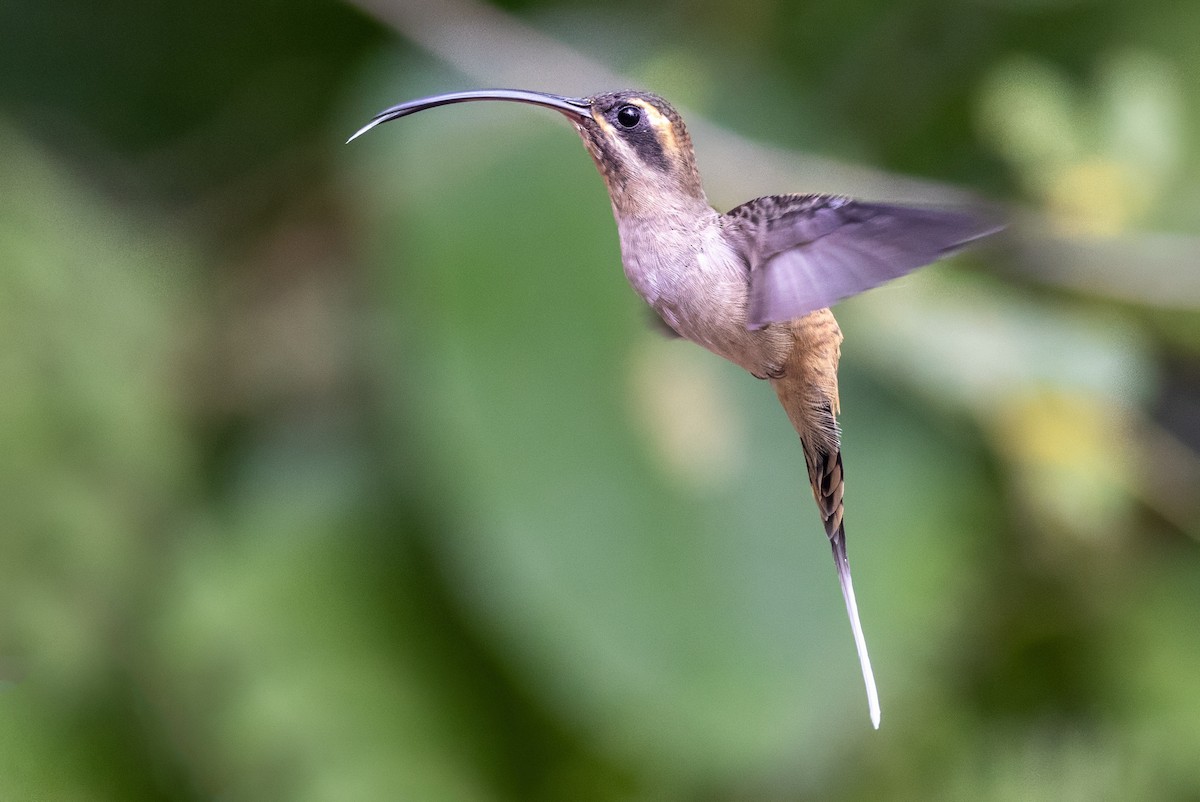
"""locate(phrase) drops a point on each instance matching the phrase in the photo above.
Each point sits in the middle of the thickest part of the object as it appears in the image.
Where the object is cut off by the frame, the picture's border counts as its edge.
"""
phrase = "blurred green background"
(354, 472)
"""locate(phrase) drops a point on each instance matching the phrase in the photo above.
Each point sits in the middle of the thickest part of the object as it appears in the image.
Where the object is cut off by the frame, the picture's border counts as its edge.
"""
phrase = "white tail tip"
(860, 642)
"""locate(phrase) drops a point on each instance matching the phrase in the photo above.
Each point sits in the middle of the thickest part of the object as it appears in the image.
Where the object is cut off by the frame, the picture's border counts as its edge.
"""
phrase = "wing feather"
(808, 252)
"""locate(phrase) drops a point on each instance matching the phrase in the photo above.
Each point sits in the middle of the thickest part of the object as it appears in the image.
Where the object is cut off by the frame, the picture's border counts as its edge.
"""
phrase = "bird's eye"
(629, 116)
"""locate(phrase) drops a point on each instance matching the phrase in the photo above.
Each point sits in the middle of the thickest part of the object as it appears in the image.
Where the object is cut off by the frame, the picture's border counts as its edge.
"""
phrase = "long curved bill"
(575, 108)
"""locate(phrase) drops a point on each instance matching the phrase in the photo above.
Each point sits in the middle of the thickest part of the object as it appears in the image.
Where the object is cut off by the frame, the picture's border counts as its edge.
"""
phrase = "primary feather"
(808, 252)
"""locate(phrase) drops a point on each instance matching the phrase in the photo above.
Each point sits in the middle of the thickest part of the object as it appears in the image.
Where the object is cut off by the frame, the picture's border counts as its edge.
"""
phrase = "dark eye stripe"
(649, 149)
(642, 139)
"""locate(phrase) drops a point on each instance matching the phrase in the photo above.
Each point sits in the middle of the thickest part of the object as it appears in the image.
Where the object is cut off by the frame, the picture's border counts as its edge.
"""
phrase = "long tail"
(828, 484)
(812, 409)
(838, 541)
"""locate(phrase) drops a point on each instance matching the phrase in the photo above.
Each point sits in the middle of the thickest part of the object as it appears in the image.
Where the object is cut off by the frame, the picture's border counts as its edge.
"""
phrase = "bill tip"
(362, 131)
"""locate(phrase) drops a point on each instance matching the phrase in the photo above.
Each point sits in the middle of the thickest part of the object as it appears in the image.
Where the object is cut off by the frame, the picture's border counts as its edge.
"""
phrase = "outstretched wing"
(808, 252)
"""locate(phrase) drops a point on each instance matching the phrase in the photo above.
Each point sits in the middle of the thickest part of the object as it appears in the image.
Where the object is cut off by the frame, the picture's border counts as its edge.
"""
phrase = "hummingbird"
(753, 285)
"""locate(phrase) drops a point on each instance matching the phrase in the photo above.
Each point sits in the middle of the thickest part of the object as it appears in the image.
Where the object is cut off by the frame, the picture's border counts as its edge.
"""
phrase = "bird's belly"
(727, 336)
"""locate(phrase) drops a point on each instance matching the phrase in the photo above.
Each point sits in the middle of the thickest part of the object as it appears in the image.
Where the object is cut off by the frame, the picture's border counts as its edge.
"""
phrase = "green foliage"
(355, 473)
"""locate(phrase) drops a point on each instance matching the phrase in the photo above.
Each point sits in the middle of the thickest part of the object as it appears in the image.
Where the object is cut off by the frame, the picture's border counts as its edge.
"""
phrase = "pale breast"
(699, 285)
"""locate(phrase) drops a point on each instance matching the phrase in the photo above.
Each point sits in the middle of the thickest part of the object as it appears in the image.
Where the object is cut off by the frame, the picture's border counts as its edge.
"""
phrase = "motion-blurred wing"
(808, 252)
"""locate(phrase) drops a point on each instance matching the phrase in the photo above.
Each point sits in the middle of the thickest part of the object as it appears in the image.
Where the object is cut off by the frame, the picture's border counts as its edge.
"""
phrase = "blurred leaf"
(1098, 161)
(1055, 388)
(92, 455)
(91, 451)
(1152, 659)
(282, 680)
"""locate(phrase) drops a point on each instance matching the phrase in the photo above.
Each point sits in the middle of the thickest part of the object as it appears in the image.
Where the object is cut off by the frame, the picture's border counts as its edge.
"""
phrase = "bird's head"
(638, 141)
